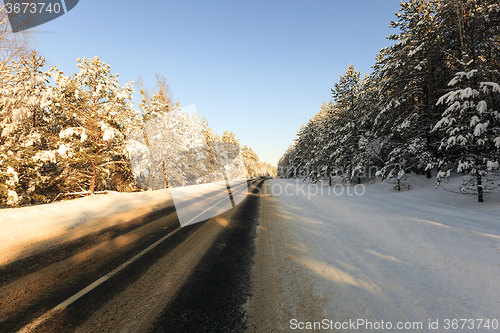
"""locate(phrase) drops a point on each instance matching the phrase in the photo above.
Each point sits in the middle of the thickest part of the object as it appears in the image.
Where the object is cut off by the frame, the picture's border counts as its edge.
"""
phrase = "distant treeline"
(432, 102)
(64, 136)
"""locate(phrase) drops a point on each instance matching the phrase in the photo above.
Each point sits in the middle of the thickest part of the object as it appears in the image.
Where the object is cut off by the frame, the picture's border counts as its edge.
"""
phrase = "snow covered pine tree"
(28, 133)
(471, 131)
(97, 116)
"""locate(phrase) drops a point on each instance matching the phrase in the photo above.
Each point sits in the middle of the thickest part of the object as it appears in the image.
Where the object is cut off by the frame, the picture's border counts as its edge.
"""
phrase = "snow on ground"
(21, 228)
(412, 256)
(26, 230)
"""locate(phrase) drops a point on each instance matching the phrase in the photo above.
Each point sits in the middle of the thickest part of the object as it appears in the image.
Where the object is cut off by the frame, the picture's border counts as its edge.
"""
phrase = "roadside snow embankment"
(21, 229)
(413, 256)
(27, 230)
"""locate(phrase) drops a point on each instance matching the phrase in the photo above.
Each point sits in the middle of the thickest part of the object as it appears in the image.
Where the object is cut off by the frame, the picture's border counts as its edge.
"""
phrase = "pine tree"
(350, 125)
(195, 158)
(305, 150)
(470, 28)
(234, 164)
(286, 163)
(470, 122)
(211, 140)
(409, 87)
(150, 159)
(160, 102)
(98, 117)
(471, 130)
(27, 152)
(320, 163)
(251, 161)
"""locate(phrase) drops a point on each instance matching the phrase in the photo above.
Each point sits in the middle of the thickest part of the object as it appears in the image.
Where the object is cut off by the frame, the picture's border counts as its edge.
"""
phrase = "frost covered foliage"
(337, 140)
(62, 137)
(228, 157)
(470, 128)
(28, 128)
(255, 167)
(406, 116)
(402, 158)
(97, 115)
(351, 123)
(408, 77)
(175, 149)
(169, 151)
(228, 160)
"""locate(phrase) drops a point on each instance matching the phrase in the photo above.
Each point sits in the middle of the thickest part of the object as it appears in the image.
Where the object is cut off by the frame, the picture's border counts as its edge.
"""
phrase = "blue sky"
(257, 68)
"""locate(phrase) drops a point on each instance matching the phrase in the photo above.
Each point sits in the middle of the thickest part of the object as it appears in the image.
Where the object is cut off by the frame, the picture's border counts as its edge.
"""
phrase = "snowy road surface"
(121, 278)
(28, 230)
(290, 256)
(409, 257)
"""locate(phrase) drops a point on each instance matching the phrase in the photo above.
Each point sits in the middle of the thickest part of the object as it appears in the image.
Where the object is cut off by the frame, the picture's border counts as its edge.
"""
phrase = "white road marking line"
(34, 324)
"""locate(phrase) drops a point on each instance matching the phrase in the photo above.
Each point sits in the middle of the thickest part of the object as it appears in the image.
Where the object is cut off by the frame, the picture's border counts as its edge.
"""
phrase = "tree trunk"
(330, 175)
(479, 188)
(92, 180)
(165, 174)
(423, 97)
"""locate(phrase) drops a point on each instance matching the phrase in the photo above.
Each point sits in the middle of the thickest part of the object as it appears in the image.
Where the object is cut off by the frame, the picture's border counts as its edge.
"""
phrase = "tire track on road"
(214, 295)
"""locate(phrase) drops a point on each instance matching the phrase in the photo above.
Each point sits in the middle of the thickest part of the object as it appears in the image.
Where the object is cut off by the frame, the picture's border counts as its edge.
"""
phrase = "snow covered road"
(28, 230)
(70, 261)
(291, 257)
(419, 256)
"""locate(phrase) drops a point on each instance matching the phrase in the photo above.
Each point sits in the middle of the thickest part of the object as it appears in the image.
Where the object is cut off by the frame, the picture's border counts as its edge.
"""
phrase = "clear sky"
(257, 68)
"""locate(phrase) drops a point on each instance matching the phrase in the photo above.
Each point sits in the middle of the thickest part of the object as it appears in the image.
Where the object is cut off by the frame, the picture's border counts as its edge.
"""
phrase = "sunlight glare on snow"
(336, 275)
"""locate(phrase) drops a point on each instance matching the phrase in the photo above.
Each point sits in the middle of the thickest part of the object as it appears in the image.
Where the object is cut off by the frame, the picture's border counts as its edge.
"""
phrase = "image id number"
(32, 7)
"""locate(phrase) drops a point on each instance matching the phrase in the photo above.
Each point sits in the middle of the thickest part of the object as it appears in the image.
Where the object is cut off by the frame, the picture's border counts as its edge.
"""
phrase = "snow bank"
(413, 256)
(22, 228)
(24, 231)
